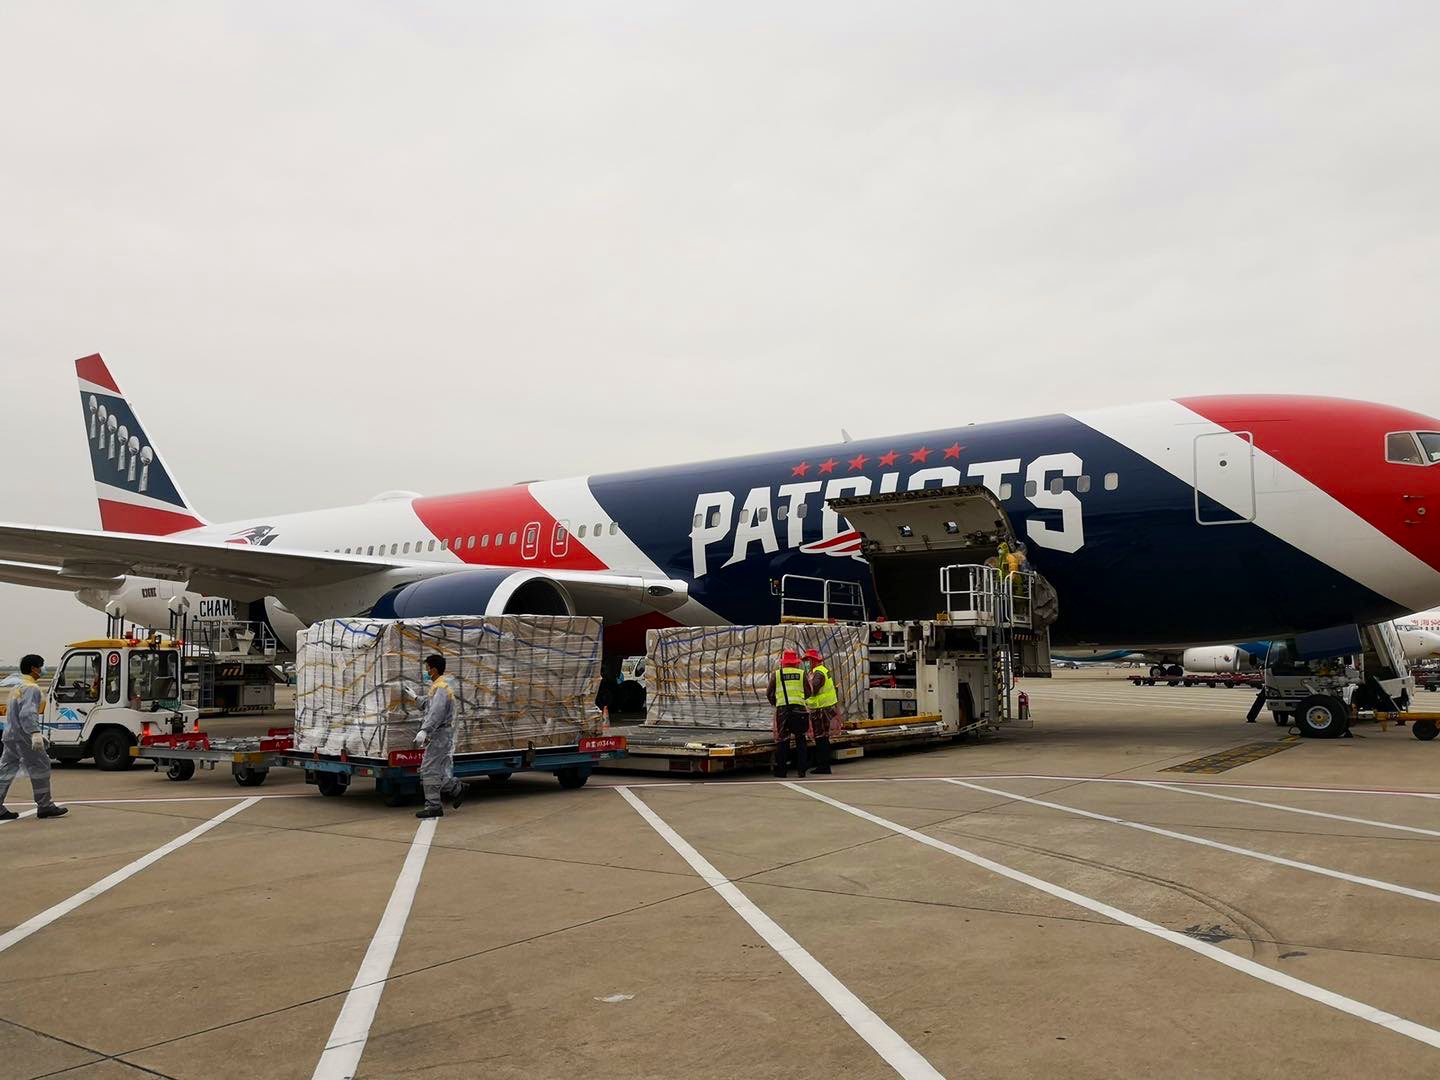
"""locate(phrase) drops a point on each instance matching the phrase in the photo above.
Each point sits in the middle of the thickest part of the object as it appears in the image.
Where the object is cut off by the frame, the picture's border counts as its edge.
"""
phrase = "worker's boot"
(7, 815)
(430, 811)
(52, 811)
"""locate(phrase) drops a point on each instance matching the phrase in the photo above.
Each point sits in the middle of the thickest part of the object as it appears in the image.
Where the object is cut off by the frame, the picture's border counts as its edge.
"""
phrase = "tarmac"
(1053, 901)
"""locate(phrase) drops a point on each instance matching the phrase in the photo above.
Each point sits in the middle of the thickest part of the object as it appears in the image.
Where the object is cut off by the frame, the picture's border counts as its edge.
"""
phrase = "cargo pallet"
(1229, 682)
(708, 751)
(396, 776)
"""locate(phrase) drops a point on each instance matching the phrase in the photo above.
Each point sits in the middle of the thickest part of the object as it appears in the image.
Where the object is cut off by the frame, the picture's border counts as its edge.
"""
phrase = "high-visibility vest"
(790, 686)
(827, 696)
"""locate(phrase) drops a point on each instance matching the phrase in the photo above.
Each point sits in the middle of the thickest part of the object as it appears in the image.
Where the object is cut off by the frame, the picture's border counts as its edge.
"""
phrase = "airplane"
(1221, 519)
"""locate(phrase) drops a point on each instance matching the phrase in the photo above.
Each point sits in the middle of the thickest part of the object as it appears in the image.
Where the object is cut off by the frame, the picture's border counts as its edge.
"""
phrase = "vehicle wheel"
(572, 777)
(180, 770)
(1424, 729)
(499, 777)
(110, 747)
(1157, 672)
(333, 784)
(1322, 717)
(248, 777)
(1211, 685)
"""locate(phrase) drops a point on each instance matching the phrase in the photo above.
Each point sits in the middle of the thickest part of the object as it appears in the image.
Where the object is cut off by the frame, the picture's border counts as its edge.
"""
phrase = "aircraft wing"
(72, 559)
(86, 555)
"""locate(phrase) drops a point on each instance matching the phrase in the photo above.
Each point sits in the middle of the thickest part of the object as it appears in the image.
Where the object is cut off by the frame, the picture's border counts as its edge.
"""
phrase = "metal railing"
(814, 599)
(971, 594)
(230, 639)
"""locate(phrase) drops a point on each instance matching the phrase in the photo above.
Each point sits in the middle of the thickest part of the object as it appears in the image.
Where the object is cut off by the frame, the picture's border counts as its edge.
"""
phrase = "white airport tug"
(110, 692)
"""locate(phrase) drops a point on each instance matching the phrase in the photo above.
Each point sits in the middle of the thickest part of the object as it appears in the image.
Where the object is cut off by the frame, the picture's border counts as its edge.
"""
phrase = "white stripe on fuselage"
(1287, 505)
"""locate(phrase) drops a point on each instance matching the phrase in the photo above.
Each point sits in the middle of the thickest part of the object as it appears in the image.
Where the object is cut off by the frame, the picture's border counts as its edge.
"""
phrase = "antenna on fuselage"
(845, 436)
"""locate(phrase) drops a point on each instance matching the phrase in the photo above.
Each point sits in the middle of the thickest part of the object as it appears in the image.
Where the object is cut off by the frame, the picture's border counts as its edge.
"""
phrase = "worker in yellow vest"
(786, 691)
(823, 702)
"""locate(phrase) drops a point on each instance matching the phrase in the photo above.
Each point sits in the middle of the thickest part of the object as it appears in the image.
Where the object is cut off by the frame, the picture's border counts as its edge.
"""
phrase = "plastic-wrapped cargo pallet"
(715, 677)
(519, 679)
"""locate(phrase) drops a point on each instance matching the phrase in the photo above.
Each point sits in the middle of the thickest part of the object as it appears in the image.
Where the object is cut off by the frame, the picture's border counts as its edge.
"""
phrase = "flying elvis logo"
(763, 509)
(257, 536)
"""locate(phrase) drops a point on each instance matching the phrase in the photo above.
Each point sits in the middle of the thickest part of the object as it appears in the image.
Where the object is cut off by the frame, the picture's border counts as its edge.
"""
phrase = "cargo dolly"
(396, 776)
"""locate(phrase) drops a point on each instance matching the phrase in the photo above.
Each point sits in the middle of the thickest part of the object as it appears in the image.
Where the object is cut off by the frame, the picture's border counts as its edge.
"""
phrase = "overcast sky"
(335, 248)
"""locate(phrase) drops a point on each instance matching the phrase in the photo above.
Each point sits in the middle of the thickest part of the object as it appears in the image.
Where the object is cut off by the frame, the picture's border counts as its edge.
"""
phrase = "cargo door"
(1225, 478)
(908, 536)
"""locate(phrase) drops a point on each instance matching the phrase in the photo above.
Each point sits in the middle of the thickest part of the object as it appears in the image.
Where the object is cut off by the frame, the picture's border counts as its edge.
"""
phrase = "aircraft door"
(530, 541)
(560, 540)
(1225, 478)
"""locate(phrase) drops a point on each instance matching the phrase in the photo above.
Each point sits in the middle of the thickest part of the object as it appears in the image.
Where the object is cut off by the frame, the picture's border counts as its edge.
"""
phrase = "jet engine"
(477, 592)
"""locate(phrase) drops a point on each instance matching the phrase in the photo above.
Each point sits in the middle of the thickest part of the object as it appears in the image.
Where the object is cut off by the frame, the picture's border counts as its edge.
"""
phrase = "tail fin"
(137, 492)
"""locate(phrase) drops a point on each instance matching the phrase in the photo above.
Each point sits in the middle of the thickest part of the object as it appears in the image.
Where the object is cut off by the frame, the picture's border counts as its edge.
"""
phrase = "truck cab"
(108, 692)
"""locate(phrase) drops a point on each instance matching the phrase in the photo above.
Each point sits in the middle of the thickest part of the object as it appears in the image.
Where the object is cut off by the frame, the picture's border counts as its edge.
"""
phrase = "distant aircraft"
(1199, 519)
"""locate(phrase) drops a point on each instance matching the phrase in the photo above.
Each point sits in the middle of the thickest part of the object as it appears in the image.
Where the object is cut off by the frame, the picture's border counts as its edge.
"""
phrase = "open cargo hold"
(519, 680)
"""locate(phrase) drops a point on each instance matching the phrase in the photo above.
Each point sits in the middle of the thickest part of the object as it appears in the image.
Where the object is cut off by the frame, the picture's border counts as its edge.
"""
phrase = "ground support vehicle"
(1229, 680)
(942, 667)
(110, 692)
(1321, 682)
(397, 777)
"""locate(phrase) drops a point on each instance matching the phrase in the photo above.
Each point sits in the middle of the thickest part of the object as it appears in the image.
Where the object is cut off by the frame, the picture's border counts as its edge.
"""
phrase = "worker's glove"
(421, 738)
(37, 742)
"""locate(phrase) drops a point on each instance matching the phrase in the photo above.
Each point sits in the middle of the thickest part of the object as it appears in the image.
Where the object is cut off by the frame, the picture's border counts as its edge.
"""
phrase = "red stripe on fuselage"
(143, 520)
(93, 370)
(1339, 446)
(503, 511)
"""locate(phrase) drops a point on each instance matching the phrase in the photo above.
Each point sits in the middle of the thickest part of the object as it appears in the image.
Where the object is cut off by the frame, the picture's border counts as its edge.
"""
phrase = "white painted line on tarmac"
(105, 884)
(1278, 860)
(897, 1053)
(346, 1044)
(1358, 1009)
(180, 798)
(1292, 809)
(23, 814)
(1180, 784)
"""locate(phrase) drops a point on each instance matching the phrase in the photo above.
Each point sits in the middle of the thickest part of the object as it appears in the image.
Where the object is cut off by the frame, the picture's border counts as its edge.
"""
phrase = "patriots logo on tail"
(840, 545)
(258, 536)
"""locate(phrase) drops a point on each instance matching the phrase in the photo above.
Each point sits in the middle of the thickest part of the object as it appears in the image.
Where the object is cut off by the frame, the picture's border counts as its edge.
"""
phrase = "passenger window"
(1057, 486)
(1031, 489)
(1402, 449)
(614, 527)
(714, 517)
(697, 521)
(1112, 481)
(459, 543)
(514, 536)
(499, 539)
(581, 533)
(1006, 491)
(431, 546)
(764, 513)
(79, 680)
(599, 527)
(800, 510)
(370, 550)
(445, 543)
(394, 549)
(407, 547)
(485, 540)
(347, 551)
(781, 513)
(1082, 485)
(470, 543)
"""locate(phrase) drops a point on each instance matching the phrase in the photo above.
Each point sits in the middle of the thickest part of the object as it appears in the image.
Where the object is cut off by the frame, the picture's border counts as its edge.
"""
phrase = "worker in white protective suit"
(24, 742)
(437, 738)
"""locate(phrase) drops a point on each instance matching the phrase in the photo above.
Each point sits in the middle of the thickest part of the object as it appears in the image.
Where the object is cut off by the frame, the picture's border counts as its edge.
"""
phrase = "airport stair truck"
(939, 664)
(1320, 682)
(109, 694)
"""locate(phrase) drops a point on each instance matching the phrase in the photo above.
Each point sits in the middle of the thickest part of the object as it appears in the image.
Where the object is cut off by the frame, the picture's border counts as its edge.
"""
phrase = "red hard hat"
(813, 654)
(789, 658)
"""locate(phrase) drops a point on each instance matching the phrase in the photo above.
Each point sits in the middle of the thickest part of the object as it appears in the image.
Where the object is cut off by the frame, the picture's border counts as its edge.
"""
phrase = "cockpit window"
(1402, 448)
(1430, 443)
